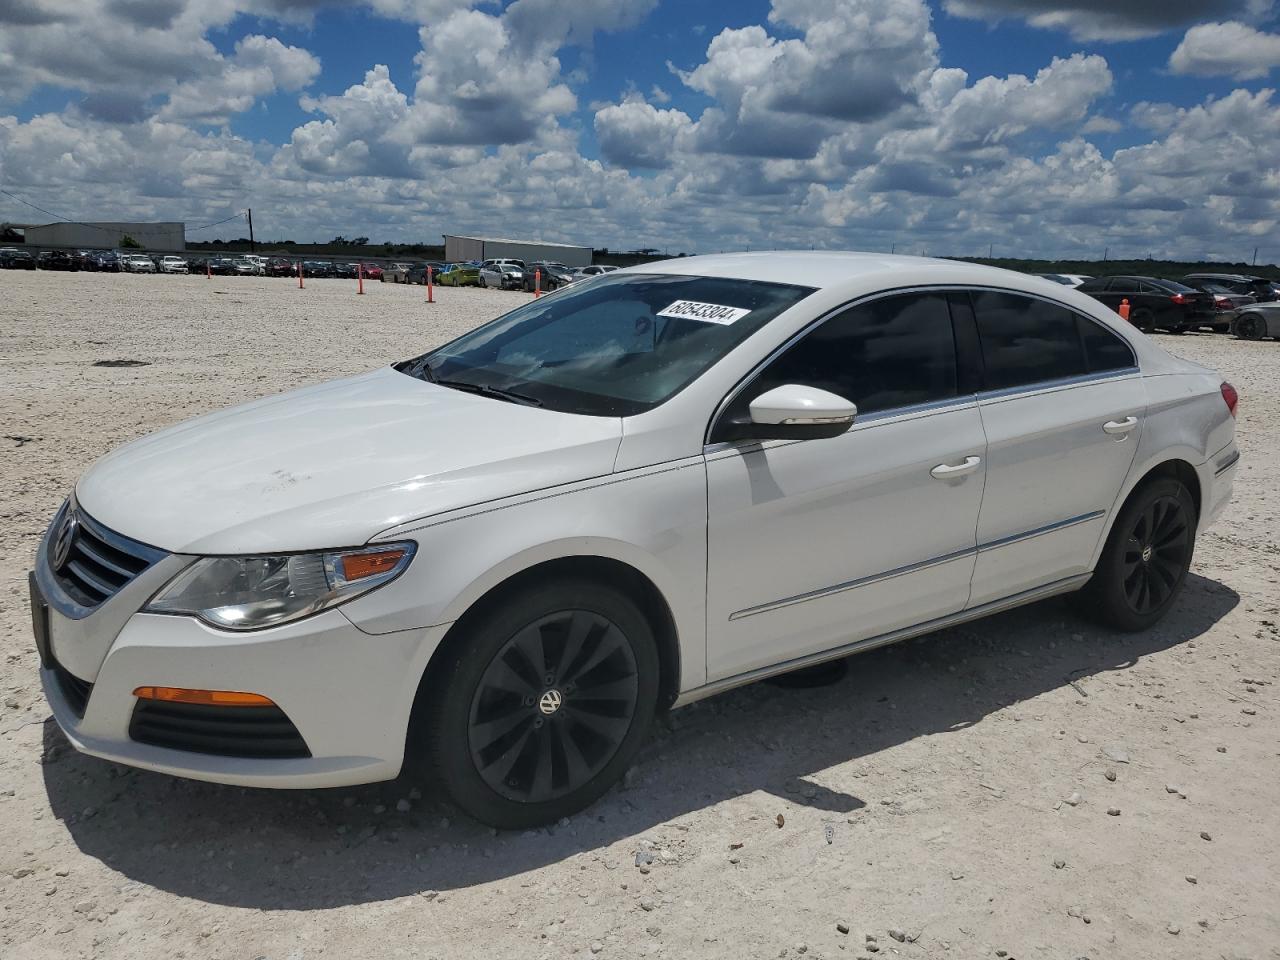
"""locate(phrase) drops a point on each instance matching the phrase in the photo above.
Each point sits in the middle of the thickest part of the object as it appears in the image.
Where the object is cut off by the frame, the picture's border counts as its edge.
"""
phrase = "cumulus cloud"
(1228, 49)
(635, 134)
(260, 66)
(830, 123)
(1106, 19)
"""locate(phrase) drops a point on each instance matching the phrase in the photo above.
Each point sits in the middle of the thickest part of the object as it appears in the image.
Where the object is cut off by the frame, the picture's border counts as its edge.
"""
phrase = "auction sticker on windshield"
(710, 312)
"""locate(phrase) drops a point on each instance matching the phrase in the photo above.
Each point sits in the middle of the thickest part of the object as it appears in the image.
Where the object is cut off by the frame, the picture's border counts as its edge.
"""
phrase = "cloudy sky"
(1042, 127)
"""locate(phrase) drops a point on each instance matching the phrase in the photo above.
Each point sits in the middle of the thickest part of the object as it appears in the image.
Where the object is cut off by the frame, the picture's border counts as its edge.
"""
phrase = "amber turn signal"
(208, 698)
(357, 566)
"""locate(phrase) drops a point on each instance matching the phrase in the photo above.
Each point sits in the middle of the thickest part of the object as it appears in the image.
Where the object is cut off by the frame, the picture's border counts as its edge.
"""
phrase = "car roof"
(836, 269)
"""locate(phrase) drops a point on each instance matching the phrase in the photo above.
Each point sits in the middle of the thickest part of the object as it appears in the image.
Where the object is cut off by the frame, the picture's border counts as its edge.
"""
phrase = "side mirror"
(794, 412)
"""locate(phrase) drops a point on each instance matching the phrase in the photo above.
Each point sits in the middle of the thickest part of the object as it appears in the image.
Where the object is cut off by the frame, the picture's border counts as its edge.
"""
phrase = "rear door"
(1063, 406)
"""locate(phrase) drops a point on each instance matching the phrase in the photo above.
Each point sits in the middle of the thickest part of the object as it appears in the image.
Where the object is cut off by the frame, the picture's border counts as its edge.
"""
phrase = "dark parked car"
(345, 270)
(418, 272)
(11, 259)
(1261, 290)
(88, 260)
(108, 262)
(281, 267)
(1226, 301)
(1155, 304)
(317, 268)
(57, 260)
(221, 266)
(553, 275)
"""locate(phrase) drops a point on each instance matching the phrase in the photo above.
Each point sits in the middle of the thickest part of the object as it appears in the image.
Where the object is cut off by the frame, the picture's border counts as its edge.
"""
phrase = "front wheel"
(540, 706)
(483, 283)
(1146, 557)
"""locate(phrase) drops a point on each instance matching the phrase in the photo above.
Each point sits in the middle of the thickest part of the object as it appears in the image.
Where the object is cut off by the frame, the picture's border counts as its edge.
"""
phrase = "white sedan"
(138, 263)
(173, 264)
(500, 559)
(504, 276)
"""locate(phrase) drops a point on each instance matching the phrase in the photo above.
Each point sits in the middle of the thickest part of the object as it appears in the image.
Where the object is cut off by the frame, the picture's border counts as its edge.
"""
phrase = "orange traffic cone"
(1124, 309)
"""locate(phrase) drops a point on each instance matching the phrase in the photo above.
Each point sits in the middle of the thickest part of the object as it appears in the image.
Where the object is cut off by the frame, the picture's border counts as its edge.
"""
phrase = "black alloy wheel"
(1250, 327)
(540, 698)
(1157, 552)
(553, 706)
(1146, 557)
(1142, 319)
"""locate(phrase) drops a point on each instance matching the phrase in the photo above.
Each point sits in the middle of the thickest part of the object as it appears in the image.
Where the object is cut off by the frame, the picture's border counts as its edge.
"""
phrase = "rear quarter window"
(1026, 341)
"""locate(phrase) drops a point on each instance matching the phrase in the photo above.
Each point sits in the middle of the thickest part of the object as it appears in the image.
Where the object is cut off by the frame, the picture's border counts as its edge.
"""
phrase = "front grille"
(74, 690)
(252, 732)
(91, 563)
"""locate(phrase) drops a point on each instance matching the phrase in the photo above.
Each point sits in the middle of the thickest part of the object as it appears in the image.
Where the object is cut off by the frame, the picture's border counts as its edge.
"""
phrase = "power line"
(94, 226)
(234, 216)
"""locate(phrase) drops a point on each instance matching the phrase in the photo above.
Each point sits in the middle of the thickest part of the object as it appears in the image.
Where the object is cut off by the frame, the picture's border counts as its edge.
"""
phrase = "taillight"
(1222, 303)
(1230, 396)
(1179, 299)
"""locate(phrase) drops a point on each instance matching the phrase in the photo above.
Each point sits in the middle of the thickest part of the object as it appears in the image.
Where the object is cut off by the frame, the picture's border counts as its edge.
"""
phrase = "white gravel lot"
(923, 794)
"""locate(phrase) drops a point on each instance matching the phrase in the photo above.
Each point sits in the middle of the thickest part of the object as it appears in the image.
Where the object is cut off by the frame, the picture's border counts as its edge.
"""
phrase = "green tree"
(128, 243)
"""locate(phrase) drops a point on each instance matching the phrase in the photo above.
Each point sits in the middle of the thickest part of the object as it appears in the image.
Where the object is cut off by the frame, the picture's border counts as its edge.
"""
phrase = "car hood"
(334, 464)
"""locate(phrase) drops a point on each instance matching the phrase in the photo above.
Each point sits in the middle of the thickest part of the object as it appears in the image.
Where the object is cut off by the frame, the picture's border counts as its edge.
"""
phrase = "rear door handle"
(945, 471)
(1117, 427)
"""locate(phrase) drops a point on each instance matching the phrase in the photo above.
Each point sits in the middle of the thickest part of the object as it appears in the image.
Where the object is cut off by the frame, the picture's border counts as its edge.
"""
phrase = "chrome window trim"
(1062, 383)
(1044, 385)
(917, 567)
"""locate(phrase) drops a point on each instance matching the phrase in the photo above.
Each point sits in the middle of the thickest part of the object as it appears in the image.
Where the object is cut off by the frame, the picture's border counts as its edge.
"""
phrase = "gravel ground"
(951, 796)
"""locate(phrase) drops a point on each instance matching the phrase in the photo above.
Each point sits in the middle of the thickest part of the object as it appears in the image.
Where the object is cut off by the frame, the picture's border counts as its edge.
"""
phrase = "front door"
(814, 544)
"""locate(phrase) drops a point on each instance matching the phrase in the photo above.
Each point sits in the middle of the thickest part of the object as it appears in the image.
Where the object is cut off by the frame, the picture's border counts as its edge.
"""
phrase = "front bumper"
(348, 693)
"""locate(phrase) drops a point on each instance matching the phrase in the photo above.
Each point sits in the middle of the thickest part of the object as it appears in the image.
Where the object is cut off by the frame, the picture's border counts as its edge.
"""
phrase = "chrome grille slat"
(86, 578)
(95, 553)
(92, 563)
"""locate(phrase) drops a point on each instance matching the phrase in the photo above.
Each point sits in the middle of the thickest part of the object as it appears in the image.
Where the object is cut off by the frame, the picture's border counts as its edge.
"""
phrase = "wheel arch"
(1172, 467)
(608, 571)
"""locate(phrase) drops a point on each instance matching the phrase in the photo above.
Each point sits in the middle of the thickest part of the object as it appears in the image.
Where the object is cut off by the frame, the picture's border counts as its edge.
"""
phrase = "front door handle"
(1117, 427)
(945, 471)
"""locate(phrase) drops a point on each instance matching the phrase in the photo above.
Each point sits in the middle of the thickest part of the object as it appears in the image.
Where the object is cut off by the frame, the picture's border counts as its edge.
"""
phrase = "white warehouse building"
(108, 235)
(488, 248)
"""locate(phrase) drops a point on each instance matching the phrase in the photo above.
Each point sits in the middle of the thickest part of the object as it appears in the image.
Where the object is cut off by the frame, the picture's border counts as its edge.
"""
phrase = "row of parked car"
(1247, 306)
(502, 273)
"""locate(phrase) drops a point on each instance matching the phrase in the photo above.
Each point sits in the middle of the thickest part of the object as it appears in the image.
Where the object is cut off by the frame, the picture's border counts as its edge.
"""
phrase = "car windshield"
(617, 346)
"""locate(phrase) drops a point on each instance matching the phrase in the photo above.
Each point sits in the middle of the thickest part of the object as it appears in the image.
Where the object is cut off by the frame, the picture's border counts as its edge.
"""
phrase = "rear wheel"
(542, 703)
(1250, 326)
(1141, 318)
(1146, 557)
(482, 281)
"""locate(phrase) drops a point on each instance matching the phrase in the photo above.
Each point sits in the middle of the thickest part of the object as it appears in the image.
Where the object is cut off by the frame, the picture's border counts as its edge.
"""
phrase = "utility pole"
(1104, 254)
(990, 249)
(893, 248)
(252, 248)
(1255, 256)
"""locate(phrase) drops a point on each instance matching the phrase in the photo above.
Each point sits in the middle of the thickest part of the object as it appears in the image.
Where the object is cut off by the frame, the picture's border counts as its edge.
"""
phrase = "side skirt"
(870, 643)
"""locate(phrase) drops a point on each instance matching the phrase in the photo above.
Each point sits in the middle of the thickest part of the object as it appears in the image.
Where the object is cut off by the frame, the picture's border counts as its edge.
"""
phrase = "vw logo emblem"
(62, 542)
(1147, 553)
(550, 702)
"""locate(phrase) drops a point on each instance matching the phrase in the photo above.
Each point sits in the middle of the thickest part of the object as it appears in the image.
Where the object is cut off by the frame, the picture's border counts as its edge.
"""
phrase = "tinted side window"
(887, 353)
(1026, 341)
(1103, 349)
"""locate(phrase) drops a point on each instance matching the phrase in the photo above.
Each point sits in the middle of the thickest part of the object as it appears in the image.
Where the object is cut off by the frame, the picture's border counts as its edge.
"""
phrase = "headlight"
(249, 593)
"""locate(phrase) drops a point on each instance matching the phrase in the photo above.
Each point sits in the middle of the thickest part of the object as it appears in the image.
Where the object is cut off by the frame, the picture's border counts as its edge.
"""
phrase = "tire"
(1146, 557)
(515, 750)
(483, 283)
(1251, 326)
(1141, 318)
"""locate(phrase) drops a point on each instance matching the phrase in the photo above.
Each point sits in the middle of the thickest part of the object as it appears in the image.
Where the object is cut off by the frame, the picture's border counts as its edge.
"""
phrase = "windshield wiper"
(500, 393)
